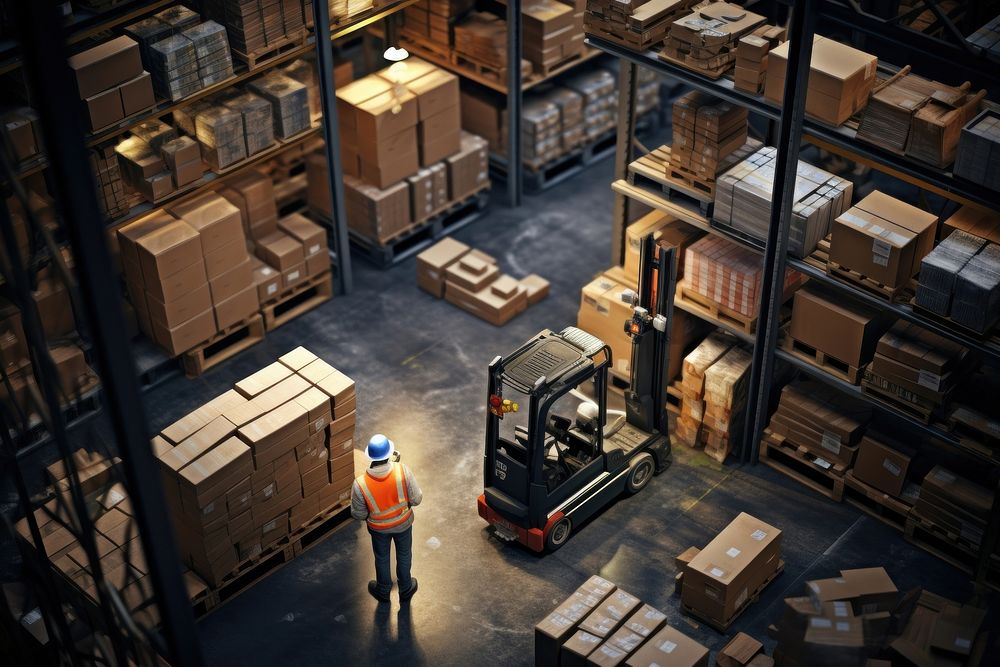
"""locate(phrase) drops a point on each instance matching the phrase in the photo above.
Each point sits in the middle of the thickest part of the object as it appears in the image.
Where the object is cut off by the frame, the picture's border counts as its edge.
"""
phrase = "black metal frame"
(514, 103)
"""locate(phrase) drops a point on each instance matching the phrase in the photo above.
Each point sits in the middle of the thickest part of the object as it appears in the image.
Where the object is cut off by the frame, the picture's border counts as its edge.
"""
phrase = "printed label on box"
(843, 626)
(893, 469)
(840, 609)
(271, 289)
(270, 525)
(821, 623)
(880, 248)
(930, 380)
(668, 646)
(733, 552)
(830, 442)
(717, 572)
(823, 463)
(963, 643)
(943, 476)
(208, 509)
(758, 535)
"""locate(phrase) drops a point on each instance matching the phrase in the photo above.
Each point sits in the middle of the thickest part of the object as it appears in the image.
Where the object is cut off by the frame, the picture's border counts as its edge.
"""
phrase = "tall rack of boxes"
(894, 352)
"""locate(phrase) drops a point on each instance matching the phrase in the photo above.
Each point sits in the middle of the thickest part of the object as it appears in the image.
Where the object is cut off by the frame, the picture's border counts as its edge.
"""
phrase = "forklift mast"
(650, 329)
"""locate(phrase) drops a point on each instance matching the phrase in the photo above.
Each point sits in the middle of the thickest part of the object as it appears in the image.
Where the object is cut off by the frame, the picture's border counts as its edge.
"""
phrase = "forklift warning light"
(500, 406)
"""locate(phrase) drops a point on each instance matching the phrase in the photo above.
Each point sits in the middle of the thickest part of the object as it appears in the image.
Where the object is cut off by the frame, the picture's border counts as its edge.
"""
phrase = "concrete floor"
(420, 369)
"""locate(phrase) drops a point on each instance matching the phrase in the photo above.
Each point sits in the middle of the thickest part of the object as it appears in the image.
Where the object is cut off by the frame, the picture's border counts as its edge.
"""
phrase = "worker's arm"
(359, 508)
(412, 488)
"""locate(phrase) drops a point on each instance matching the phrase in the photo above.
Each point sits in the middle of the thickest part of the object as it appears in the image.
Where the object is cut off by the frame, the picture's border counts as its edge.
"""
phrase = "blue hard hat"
(379, 448)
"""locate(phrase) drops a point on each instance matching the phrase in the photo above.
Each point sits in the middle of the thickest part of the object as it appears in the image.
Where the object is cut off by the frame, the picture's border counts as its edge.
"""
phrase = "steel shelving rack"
(794, 129)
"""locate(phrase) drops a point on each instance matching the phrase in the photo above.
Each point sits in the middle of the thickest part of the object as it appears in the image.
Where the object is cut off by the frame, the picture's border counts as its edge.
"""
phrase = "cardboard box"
(433, 262)
(434, 88)
(553, 631)
(280, 251)
(880, 465)
(911, 344)
(740, 650)
(883, 239)
(266, 279)
(233, 281)
(576, 649)
(236, 308)
(281, 393)
(103, 109)
(216, 220)
(188, 334)
(263, 379)
(670, 647)
(840, 79)
(731, 568)
(137, 94)
(846, 330)
(610, 614)
(105, 66)
(497, 303)
(869, 590)
(602, 313)
(471, 273)
(181, 309)
(168, 250)
(663, 228)
(308, 233)
(271, 428)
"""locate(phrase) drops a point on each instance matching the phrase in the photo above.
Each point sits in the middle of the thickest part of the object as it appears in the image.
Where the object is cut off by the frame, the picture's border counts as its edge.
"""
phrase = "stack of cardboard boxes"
(258, 125)
(824, 422)
(597, 87)
(550, 35)
(727, 274)
(726, 384)
(842, 332)
(110, 82)
(603, 625)
(840, 79)
(743, 200)
(471, 280)
(541, 132)
(688, 426)
(706, 130)
(954, 505)
(883, 239)
(439, 116)
(977, 147)
(258, 462)
(111, 195)
(731, 570)
(751, 64)
(227, 262)
(665, 230)
(289, 103)
(882, 463)
(706, 40)
(636, 24)
(154, 161)
(428, 21)
(257, 26)
(915, 368)
(482, 38)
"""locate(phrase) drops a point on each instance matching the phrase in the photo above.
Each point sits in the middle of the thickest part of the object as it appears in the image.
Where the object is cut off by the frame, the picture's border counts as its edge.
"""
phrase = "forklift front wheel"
(642, 471)
(559, 534)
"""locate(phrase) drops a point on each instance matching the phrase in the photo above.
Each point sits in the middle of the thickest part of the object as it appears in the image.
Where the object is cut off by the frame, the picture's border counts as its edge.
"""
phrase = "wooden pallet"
(898, 294)
(497, 73)
(925, 534)
(545, 71)
(712, 310)
(713, 74)
(297, 300)
(796, 463)
(223, 345)
(272, 558)
(260, 57)
(873, 384)
(819, 359)
(887, 509)
(724, 627)
(417, 237)
(820, 257)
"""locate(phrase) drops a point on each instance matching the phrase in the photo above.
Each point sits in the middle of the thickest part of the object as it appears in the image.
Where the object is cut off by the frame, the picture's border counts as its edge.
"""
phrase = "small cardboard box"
(236, 308)
(880, 465)
(280, 251)
(576, 649)
(610, 614)
(168, 250)
(308, 233)
(845, 330)
(265, 378)
(137, 94)
(229, 283)
(103, 109)
(186, 335)
(433, 262)
(266, 279)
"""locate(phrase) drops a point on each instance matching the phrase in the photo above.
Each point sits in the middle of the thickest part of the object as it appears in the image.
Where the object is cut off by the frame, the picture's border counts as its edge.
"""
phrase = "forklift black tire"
(559, 534)
(640, 472)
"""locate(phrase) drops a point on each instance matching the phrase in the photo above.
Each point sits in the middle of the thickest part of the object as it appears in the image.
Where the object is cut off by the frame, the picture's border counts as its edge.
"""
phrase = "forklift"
(547, 470)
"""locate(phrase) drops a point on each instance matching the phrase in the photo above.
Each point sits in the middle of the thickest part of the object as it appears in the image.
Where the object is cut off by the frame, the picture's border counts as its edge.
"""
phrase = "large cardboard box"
(731, 568)
(553, 631)
(105, 66)
(840, 79)
(846, 330)
(868, 590)
(433, 262)
(602, 313)
(881, 465)
(168, 250)
(883, 238)
(186, 335)
(670, 647)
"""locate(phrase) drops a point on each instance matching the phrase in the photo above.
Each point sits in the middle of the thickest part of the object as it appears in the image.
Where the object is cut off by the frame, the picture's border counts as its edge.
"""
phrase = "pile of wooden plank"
(635, 24)
(705, 41)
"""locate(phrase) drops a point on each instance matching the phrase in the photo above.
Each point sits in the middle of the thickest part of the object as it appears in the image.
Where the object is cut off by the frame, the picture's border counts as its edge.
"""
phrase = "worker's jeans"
(404, 557)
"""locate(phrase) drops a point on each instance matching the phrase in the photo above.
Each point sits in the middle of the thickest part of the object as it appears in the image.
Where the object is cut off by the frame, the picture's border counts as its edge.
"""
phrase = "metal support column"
(628, 75)
(49, 77)
(331, 136)
(776, 249)
(514, 166)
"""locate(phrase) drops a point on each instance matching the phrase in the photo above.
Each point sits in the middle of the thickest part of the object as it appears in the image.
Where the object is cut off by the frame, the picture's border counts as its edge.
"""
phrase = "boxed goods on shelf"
(844, 331)
(882, 463)
(977, 148)
(954, 505)
(689, 424)
(725, 397)
(664, 230)
(743, 200)
(731, 570)
(597, 87)
(248, 469)
(840, 79)
(827, 423)
(111, 82)
(706, 40)
(915, 367)
(438, 109)
(751, 63)
(883, 239)
(289, 103)
(727, 274)
(976, 302)
(940, 268)
(257, 27)
(253, 194)
(920, 117)
(549, 34)
(979, 222)
(705, 131)
(258, 125)
(639, 24)
(22, 128)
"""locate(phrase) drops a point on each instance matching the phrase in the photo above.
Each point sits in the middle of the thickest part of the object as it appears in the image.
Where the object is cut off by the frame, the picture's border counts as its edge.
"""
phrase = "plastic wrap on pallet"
(977, 291)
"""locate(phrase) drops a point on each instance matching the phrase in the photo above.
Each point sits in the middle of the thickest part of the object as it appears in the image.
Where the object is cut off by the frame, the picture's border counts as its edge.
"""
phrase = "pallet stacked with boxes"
(706, 40)
(688, 426)
(258, 29)
(155, 161)
(638, 24)
(726, 386)
(245, 473)
(111, 83)
(601, 624)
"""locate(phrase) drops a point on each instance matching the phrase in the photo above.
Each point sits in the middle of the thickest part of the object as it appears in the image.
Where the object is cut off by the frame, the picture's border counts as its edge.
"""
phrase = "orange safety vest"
(388, 499)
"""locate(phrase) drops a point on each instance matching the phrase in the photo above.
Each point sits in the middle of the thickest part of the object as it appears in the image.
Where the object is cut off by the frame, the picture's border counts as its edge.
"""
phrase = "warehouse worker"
(384, 497)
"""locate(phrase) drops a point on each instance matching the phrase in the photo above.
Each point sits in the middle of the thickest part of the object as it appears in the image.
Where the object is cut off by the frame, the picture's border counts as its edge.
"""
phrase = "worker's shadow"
(401, 649)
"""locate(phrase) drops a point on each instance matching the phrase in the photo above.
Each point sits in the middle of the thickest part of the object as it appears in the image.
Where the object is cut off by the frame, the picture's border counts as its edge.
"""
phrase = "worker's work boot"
(404, 596)
(373, 589)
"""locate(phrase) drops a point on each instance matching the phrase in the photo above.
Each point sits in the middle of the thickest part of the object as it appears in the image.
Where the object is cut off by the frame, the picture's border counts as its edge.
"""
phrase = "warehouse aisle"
(420, 369)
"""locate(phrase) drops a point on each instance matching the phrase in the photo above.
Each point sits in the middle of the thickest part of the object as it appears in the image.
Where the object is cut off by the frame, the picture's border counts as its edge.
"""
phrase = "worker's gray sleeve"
(359, 508)
(412, 488)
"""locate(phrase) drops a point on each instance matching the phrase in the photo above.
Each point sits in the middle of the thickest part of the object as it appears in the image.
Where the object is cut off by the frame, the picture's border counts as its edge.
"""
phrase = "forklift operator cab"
(552, 458)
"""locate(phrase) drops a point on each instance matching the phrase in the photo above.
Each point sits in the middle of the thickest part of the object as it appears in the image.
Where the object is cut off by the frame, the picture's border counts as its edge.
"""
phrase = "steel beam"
(776, 246)
(514, 103)
(627, 92)
(331, 136)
